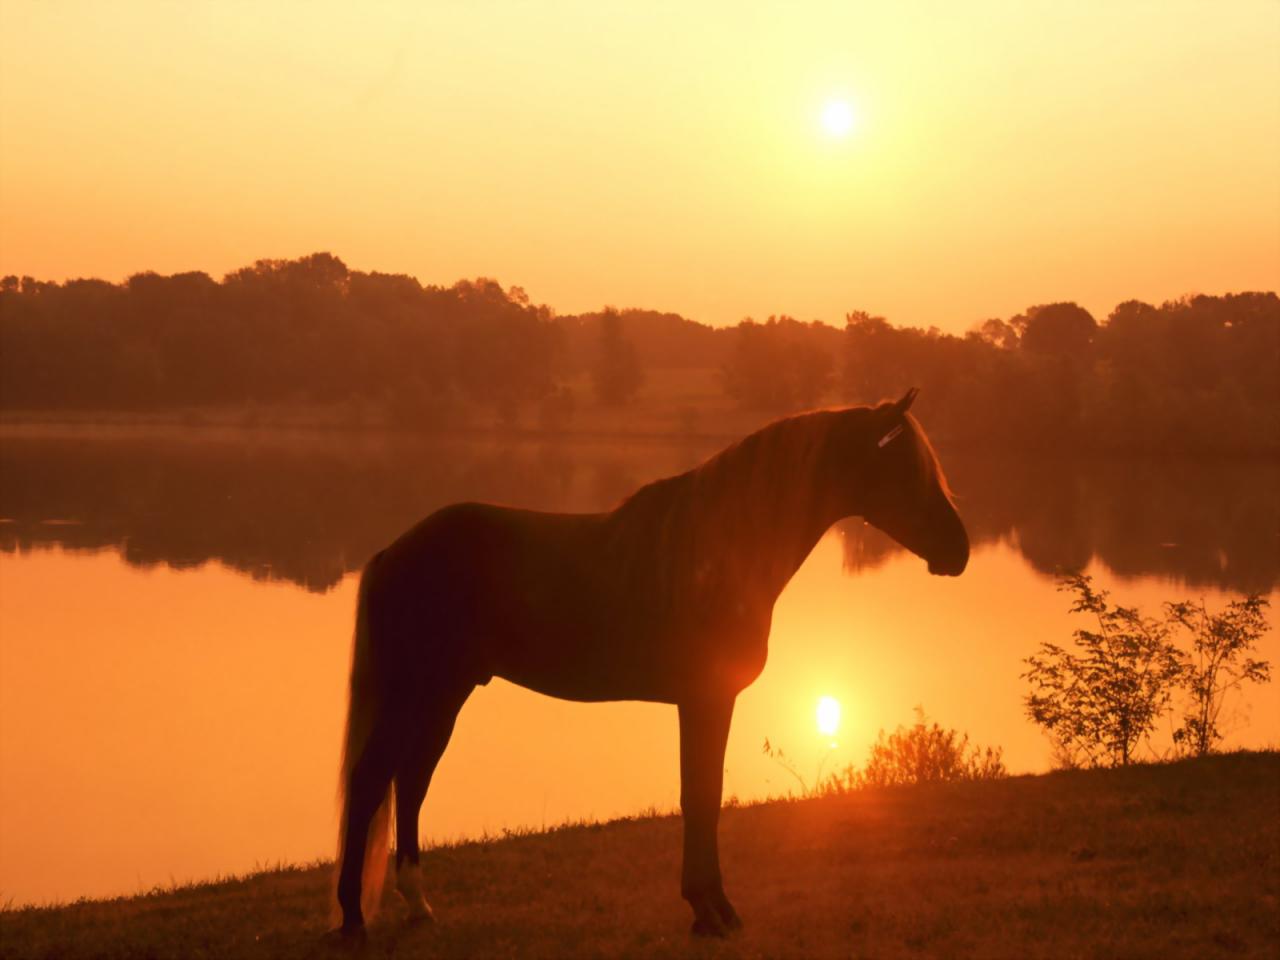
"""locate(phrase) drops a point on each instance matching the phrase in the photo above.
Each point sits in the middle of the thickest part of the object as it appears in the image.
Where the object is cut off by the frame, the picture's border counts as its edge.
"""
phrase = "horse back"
(553, 602)
(521, 594)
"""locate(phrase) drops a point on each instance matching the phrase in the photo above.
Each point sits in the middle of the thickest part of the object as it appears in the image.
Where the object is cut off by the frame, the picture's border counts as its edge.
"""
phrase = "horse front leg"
(704, 729)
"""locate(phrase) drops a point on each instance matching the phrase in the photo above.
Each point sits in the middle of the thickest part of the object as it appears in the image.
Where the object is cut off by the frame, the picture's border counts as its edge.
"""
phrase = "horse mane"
(722, 507)
(927, 457)
(752, 465)
(758, 470)
(759, 467)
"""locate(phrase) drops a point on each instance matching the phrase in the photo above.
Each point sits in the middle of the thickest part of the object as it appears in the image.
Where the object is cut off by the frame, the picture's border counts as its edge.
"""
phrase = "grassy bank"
(1181, 860)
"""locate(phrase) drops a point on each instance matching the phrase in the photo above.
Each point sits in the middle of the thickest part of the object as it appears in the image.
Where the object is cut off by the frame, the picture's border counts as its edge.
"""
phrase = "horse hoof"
(346, 937)
(731, 920)
(709, 926)
(419, 918)
(716, 926)
(713, 914)
(711, 923)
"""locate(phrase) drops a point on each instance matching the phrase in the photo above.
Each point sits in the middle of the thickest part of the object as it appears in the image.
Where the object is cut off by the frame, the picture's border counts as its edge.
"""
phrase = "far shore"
(237, 423)
(308, 424)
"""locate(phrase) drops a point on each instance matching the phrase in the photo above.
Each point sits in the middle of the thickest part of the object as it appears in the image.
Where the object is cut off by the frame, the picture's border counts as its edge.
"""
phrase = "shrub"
(921, 753)
(1217, 664)
(1100, 703)
(926, 753)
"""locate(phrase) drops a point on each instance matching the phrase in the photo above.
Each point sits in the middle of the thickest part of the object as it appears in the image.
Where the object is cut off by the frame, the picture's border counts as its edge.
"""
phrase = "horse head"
(904, 491)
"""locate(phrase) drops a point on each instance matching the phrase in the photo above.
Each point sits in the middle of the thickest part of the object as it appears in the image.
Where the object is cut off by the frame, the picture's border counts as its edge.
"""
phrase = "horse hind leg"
(359, 880)
(412, 779)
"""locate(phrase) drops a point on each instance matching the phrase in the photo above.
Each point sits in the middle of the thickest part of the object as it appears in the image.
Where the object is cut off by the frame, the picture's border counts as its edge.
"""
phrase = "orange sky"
(1004, 154)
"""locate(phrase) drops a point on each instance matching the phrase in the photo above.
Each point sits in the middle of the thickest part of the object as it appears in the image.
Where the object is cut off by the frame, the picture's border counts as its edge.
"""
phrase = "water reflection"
(310, 508)
(158, 724)
(1199, 524)
(306, 509)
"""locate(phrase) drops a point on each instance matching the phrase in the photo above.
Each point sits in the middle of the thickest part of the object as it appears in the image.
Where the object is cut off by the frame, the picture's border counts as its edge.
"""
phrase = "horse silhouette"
(667, 598)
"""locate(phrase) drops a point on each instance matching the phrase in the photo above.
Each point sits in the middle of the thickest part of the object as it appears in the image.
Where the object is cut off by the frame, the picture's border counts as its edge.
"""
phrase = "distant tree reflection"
(310, 509)
(1199, 523)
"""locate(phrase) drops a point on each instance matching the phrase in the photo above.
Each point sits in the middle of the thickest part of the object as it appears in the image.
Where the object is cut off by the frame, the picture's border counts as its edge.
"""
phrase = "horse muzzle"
(948, 568)
(950, 563)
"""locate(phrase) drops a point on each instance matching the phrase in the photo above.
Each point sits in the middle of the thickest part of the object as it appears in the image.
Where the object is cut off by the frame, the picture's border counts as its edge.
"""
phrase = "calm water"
(175, 623)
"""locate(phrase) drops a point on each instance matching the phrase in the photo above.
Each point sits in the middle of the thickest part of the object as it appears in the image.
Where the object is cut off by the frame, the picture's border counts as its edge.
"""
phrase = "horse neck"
(772, 503)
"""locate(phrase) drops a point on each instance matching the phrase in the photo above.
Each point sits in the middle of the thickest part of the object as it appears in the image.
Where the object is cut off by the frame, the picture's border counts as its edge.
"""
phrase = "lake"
(176, 613)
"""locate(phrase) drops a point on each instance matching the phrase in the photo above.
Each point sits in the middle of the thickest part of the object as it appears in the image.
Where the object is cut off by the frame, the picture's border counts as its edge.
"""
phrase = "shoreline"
(177, 427)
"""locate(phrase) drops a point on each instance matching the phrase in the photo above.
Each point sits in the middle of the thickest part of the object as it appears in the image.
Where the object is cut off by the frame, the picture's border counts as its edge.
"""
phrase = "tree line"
(1194, 374)
(280, 331)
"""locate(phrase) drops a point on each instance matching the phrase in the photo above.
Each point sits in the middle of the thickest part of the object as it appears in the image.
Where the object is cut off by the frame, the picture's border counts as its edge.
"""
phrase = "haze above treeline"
(1195, 374)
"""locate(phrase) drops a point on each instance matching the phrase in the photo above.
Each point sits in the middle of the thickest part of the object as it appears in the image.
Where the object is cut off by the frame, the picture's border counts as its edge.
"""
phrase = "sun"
(838, 118)
(828, 716)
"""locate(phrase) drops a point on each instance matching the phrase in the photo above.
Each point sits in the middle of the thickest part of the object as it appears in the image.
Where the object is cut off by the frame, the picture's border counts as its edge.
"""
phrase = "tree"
(873, 357)
(997, 333)
(1064, 330)
(750, 375)
(1100, 703)
(811, 370)
(616, 373)
(504, 349)
(778, 366)
(1218, 663)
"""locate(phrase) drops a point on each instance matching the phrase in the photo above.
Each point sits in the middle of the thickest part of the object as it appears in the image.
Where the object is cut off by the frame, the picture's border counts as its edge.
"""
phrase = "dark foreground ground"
(1181, 860)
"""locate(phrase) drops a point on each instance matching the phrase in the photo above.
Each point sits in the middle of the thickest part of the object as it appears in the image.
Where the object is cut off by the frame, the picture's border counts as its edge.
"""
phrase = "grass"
(1176, 860)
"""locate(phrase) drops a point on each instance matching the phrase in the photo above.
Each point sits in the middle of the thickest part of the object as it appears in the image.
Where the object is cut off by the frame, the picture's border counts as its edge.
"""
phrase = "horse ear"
(908, 398)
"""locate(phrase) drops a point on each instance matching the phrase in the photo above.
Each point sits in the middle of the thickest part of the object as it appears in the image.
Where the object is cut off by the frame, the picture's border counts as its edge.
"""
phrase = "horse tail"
(365, 706)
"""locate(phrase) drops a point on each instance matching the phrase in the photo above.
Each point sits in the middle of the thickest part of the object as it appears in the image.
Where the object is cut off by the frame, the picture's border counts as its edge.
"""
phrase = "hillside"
(1180, 860)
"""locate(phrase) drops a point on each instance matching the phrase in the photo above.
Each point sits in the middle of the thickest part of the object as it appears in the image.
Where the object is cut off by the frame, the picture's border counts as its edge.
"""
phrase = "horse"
(667, 598)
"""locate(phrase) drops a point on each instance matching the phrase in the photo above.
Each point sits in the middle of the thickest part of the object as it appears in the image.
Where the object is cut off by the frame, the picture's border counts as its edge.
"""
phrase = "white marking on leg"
(409, 886)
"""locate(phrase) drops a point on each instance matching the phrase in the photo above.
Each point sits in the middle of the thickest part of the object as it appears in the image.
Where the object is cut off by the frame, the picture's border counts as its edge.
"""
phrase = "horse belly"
(578, 652)
(622, 652)
(536, 600)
